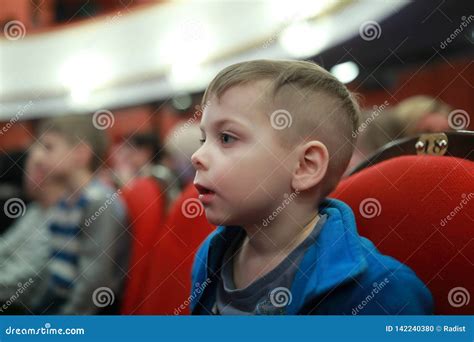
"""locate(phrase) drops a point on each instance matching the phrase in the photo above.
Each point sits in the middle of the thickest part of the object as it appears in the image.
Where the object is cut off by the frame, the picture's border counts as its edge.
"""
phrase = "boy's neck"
(283, 234)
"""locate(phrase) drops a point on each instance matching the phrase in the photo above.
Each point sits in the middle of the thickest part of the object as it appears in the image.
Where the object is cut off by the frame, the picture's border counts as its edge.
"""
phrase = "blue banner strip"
(243, 329)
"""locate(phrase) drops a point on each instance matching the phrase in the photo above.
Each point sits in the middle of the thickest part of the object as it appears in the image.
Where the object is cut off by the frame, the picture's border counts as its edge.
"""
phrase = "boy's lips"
(206, 194)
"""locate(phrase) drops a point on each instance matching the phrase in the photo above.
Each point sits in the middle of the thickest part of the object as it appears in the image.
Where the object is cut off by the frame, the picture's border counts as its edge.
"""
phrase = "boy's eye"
(226, 138)
(202, 141)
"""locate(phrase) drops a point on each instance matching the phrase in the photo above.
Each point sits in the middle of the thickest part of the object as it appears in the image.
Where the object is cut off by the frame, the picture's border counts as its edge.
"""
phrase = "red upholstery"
(169, 284)
(407, 201)
(145, 206)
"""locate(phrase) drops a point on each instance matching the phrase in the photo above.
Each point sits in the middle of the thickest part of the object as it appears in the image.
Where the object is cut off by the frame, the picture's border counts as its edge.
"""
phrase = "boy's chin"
(218, 219)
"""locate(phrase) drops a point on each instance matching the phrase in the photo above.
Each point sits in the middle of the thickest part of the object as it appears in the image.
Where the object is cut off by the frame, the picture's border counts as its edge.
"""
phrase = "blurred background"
(147, 62)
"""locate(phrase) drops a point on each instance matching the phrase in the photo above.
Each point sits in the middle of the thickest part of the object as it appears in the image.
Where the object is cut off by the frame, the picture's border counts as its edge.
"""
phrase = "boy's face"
(56, 156)
(134, 157)
(38, 186)
(241, 160)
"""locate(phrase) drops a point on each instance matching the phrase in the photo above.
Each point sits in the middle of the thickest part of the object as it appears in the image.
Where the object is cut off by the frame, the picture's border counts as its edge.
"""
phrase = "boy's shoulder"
(363, 276)
(386, 286)
(95, 199)
(98, 190)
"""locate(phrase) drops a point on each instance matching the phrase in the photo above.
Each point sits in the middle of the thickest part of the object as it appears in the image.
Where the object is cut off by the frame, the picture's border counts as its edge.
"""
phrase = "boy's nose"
(197, 160)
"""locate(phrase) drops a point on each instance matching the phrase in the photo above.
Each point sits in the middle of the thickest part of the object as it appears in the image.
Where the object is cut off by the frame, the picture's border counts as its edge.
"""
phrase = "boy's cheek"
(58, 166)
(241, 177)
(216, 215)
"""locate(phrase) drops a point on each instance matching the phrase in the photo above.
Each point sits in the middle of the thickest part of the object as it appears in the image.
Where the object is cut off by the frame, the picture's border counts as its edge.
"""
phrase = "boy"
(88, 238)
(277, 137)
(24, 246)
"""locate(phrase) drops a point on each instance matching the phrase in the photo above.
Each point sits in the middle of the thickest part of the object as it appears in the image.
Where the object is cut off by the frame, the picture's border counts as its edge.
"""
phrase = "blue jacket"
(342, 273)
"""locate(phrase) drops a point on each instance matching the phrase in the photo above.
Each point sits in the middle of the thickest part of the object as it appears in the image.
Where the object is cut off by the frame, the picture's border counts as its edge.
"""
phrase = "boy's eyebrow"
(221, 122)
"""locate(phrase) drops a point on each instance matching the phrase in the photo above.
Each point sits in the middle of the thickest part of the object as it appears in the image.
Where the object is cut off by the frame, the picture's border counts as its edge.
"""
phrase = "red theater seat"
(169, 284)
(145, 206)
(420, 210)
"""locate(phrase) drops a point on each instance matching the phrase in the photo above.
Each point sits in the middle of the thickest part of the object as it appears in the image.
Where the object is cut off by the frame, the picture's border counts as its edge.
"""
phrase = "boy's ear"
(313, 160)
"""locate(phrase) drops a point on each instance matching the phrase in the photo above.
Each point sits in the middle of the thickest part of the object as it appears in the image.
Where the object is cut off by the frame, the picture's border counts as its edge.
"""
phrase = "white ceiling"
(156, 52)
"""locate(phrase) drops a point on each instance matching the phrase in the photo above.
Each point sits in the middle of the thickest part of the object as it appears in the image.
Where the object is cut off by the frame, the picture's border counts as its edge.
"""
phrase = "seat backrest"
(458, 144)
(146, 211)
(420, 210)
(169, 285)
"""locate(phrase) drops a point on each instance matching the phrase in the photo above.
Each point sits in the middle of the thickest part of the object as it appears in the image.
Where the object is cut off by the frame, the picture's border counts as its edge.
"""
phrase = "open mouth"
(206, 195)
(203, 190)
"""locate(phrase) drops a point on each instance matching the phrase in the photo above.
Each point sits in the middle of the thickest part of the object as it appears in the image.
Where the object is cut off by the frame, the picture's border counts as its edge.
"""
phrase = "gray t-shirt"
(268, 295)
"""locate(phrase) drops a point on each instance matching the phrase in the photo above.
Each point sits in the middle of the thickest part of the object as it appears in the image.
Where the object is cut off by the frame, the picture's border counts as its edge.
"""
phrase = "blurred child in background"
(88, 237)
(24, 249)
(141, 155)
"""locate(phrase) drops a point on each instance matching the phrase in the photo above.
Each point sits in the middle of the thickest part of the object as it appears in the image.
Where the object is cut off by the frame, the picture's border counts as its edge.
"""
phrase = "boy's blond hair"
(76, 129)
(321, 107)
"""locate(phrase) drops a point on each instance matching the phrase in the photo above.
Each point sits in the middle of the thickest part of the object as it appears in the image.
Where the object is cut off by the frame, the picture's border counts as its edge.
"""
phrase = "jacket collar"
(336, 257)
